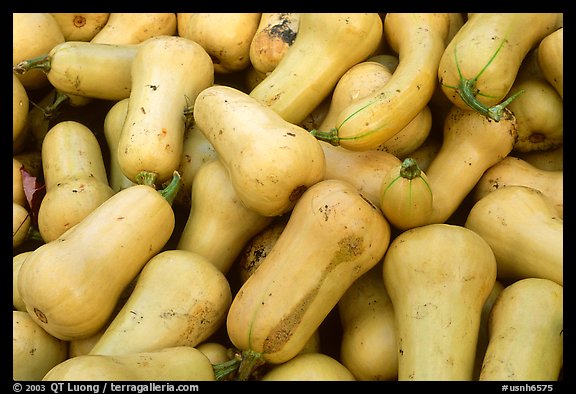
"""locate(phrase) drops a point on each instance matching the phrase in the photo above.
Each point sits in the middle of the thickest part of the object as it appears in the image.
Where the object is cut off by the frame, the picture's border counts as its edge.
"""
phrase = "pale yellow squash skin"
(525, 231)
(155, 317)
(219, 224)
(419, 40)
(284, 301)
(21, 224)
(98, 71)
(551, 59)
(326, 46)
(368, 347)
(438, 277)
(526, 340)
(113, 124)
(71, 285)
(135, 27)
(20, 107)
(34, 34)
(471, 144)
(515, 171)
(216, 352)
(196, 150)
(18, 195)
(552, 160)
(309, 367)
(80, 26)
(81, 347)
(168, 73)
(273, 38)
(477, 41)
(225, 36)
(17, 262)
(180, 363)
(34, 351)
(364, 169)
(75, 178)
(271, 162)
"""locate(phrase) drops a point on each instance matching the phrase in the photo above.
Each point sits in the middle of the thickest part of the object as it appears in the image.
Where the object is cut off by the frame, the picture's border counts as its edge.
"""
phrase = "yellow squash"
(80, 26)
(551, 59)
(309, 367)
(135, 27)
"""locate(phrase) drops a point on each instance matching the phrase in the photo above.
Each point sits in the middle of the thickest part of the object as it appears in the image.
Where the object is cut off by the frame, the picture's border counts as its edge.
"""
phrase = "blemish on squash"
(79, 21)
(40, 315)
(297, 192)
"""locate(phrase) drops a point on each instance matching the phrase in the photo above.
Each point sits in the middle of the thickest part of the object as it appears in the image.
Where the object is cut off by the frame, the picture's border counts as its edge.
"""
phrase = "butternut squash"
(309, 367)
(113, 124)
(406, 198)
(71, 285)
(419, 41)
(21, 224)
(180, 363)
(526, 340)
(218, 225)
(135, 27)
(80, 26)
(154, 317)
(471, 144)
(271, 162)
(524, 230)
(487, 52)
(20, 108)
(33, 34)
(274, 36)
(551, 59)
(438, 277)
(99, 71)
(18, 195)
(17, 262)
(552, 160)
(34, 351)
(364, 169)
(515, 171)
(368, 346)
(225, 36)
(75, 178)
(216, 352)
(326, 46)
(168, 73)
(285, 300)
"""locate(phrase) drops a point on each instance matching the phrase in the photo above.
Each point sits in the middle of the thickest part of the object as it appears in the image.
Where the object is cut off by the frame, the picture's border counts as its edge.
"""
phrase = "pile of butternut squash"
(287, 196)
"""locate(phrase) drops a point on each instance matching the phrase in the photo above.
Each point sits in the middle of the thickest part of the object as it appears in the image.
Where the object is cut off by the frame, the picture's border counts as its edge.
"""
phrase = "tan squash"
(286, 299)
(71, 285)
(524, 230)
(18, 195)
(20, 108)
(515, 171)
(368, 344)
(80, 26)
(75, 178)
(326, 46)
(34, 351)
(225, 36)
(188, 312)
(21, 224)
(135, 27)
(526, 333)
(551, 59)
(438, 277)
(419, 40)
(309, 367)
(17, 262)
(180, 363)
(274, 36)
(168, 73)
(471, 144)
(552, 160)
(33, 34)
(271, 162)
(219, 224)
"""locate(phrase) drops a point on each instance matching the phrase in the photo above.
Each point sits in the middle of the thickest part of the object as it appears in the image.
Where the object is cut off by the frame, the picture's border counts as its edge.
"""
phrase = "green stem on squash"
(409, 169)
(223, 370)
(170, 191)
(42, 62)
(251, 360)
(146, 178)
(327, 136)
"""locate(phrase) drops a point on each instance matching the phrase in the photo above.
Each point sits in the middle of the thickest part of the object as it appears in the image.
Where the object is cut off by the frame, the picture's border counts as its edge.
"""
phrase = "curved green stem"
(327, 136)
(251, 360)
(223, 370)
(170, 191)
(147, 178)
(42, 62)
